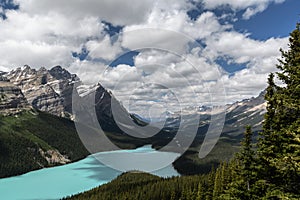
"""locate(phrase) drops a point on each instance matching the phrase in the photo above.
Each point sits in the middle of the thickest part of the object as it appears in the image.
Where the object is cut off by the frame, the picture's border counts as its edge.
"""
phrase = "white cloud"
(155, 38)
(89, 72)
(260, 58)
(36, 54)
(104, 49)
(45, 33)
(49, 28)
(43, 40)
(118, 12)
(253, 10)
(2, 12)
(239, 48)
(252, 7)
(178, 21)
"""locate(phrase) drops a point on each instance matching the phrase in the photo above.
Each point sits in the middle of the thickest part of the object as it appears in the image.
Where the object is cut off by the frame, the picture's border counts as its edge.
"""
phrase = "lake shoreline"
(73, 178)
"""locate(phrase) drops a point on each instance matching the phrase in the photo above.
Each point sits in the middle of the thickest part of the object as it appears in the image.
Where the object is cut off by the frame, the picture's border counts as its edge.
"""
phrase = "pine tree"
(243, 166)
(289, 66)
(247, 158)
(200, 192)
(218, 183)
(278, 150)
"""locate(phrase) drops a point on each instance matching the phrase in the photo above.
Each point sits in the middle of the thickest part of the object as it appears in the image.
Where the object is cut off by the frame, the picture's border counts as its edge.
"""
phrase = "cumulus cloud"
(242, 49)
(103, 49)
(31, 53)
(252, 7)
(171, 69)
(43, 40)
(118, 12)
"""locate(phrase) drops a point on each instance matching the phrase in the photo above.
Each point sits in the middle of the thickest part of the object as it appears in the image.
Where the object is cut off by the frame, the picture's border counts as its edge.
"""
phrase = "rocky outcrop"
(101, 102)
(46, 90)
(54, 157)
(52, 91)
(12, 99)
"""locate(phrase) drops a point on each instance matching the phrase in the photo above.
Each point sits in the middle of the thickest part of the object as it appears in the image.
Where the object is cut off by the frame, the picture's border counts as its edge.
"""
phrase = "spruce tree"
(247, 158)
(279, 146)
(242, 171)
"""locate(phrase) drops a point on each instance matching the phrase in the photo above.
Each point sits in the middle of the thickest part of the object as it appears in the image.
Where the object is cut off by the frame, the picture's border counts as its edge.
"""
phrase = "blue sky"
(278, 20)
(238, 45)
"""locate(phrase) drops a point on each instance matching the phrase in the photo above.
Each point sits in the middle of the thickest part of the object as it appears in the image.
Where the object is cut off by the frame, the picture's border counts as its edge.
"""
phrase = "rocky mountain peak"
(21, 73)
(60, 73)
(46, 90)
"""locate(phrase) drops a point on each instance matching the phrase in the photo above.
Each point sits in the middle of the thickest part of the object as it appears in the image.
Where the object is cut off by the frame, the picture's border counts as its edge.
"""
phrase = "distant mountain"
(46, 90)
(55, 90)
(51, 91)
(238, 115)
(246, 112)
(32, 133)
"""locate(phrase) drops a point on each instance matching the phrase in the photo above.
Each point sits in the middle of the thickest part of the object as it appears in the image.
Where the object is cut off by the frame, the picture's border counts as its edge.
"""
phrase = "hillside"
(32, 140)
(51, 91)
(263, 169)
(238, 115)
(137, 185)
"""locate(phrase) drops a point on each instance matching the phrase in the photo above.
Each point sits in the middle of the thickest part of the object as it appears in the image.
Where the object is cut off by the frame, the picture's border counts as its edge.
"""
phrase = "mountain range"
(55, 91)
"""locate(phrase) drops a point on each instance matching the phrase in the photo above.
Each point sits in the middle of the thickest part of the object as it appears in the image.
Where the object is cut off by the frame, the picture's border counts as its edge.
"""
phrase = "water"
(61, 181)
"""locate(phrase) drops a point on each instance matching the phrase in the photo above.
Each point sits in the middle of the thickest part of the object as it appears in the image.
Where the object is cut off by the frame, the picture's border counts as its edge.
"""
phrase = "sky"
(153, 55)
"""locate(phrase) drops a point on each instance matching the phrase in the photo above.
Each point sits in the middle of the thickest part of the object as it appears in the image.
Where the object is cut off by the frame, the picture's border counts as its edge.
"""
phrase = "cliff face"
(52, 91)
(12, 99)
(45, 90)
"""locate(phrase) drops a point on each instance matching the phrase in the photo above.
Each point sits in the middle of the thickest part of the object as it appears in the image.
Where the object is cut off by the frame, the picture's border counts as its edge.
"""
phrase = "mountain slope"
(51, 91)
(31, 140)
(138, 185)
(238, 115)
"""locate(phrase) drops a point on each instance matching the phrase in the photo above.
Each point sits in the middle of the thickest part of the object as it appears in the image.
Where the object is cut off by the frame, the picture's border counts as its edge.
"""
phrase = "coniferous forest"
(268, 169)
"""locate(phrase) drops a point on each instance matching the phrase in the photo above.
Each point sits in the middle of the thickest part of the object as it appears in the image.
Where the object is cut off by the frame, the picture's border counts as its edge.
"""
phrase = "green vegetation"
(278, 155)
(271, 170)
(135, 186)
(23, 135)
(190, 164)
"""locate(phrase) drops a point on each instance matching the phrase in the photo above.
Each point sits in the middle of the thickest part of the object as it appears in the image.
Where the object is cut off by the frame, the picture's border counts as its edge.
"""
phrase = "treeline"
(271, 171)
(136, 186)
(237, 179)
(24, 134)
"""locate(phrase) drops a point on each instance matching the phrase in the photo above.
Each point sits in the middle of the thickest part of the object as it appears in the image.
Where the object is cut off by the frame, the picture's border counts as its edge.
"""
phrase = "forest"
(23, 135)
(267, 169)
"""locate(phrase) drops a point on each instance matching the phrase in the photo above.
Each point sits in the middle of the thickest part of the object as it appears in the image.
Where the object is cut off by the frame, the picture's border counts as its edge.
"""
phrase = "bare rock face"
(52, 91)
(46, 90)
(12, 99)
(54, 157)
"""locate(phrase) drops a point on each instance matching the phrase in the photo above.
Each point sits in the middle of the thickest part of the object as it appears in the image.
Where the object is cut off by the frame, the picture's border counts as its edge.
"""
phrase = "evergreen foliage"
(271, 172)
(23, 135)
(278, 149)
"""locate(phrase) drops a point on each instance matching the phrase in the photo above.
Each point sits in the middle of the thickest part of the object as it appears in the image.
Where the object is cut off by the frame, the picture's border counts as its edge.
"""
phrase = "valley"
(47, 134)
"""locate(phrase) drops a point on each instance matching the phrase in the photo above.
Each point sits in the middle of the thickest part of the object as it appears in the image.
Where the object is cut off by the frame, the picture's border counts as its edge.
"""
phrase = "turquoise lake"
(65, 180)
